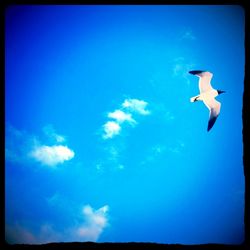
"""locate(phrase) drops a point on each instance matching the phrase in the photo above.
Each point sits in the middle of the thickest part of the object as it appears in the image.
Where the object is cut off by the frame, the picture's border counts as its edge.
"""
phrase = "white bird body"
(207, 95)
(210, 94)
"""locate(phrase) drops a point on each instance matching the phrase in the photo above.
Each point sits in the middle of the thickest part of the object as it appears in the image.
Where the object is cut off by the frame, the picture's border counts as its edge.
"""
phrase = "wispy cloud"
(99, 167)
(177, 148)
(158, 149)
(112, 157)
(188, 35)
(52, 155)
(163, 112)
(113, 153)
(94, 222)
(51, 133)
(181, 68)
(135, 105)
(18, 143)
(120, 167)
(54, 199)
(22, 147)
(169, 116)
(122, 115)
(154, 153)
(16, 234)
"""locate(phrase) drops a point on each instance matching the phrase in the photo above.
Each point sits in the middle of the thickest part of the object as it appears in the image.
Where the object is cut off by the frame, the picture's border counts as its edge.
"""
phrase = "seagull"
(207, 95)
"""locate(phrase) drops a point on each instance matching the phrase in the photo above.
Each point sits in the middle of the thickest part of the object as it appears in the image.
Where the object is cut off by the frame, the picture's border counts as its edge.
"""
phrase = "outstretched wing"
(214, 111)
(204, 81)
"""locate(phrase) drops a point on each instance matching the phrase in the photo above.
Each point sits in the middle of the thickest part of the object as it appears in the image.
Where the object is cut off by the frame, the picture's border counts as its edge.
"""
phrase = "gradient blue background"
(68, 66)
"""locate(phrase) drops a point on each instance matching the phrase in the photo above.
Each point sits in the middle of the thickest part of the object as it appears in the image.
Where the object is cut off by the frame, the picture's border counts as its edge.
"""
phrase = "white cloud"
(22, 146)
(135, 105)
(95, 217)
(52, 155)
(95, 222)
(121, 116)
(111, 129)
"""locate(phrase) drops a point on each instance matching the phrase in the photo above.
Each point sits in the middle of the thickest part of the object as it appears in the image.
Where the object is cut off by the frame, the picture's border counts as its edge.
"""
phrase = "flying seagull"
(207, 95)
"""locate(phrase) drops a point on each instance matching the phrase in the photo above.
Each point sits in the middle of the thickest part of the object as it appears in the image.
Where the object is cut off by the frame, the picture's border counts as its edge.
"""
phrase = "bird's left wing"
(204, 79)
(214, 107)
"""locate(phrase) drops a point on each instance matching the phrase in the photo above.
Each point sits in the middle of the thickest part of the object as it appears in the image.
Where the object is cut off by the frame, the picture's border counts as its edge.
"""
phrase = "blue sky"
(102, 142)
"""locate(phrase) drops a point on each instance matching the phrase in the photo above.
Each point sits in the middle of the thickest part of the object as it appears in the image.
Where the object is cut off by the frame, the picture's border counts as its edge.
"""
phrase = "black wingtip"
(211, 123)
(195, 72)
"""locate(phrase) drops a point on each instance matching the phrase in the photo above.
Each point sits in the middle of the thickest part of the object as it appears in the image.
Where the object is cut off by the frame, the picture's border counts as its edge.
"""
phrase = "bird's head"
(220, 91)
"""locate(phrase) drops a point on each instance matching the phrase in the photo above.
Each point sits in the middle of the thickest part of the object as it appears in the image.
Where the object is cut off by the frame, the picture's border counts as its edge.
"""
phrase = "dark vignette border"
(131, 245)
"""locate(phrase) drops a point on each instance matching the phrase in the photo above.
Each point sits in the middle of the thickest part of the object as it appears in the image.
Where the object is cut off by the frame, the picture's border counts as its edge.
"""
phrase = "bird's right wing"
(214, 107)
(204, 81)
